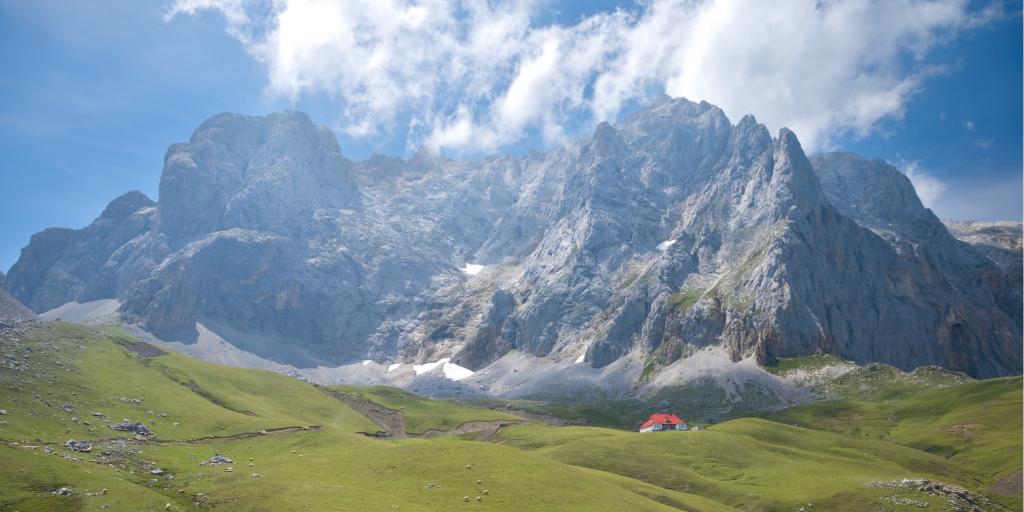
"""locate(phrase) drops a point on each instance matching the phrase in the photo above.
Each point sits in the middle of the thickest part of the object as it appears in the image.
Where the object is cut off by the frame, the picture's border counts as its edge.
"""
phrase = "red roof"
(664, 419)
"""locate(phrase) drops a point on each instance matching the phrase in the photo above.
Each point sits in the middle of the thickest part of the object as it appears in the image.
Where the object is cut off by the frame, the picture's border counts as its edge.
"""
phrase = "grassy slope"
(743, 463)
(205, 399)
(746, 464)
(976, 425)
(421, 413)
(330, 469)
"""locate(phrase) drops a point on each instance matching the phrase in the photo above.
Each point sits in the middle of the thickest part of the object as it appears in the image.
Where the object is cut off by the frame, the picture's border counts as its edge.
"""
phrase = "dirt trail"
(487, 429)
(393, 422)
(143, 349)
(546, 419)
(240, 435)
(243, 435)
(1012, 485)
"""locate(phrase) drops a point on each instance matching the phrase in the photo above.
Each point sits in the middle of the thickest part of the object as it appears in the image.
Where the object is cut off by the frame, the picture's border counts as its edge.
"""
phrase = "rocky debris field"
(958, 498)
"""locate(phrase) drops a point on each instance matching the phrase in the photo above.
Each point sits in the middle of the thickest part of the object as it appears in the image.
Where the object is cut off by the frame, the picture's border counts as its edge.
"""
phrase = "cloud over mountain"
(476, 75)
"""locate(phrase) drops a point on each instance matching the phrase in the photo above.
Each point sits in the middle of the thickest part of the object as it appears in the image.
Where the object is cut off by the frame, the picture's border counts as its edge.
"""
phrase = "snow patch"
(426, 367)
(665, 245)
(581, 358)
(393, 367)
(456, 372)
(450, 369)
(366, 362)
(472, 269)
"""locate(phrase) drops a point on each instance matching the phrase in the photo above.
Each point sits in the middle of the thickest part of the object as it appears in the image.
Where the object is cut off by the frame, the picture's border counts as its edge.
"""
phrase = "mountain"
(623, 254)
(999, 241)
(13, 312)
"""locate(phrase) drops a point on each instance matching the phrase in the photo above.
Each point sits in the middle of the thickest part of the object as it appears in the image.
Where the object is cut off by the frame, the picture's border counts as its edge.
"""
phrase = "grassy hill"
(976, 425)
(296, 447)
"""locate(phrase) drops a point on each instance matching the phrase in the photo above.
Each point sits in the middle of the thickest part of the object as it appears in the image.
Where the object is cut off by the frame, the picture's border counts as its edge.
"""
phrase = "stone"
(139, 429)
(218, 459)
(78, 446)
(749, 246)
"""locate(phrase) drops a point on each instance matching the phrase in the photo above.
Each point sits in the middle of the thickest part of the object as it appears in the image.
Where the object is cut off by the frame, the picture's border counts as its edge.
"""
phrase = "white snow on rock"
(580, 358)
(394, 367)
(665, 245)
(472, 269)
(450, 369)
(366, 362)
(456, 372)
(426, 367)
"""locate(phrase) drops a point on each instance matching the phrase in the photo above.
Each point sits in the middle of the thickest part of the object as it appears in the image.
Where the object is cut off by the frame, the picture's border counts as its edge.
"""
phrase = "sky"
(93, 93)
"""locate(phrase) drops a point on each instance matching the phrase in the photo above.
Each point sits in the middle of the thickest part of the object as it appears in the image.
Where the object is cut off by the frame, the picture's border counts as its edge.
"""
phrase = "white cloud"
(473, 75)
(929, 188)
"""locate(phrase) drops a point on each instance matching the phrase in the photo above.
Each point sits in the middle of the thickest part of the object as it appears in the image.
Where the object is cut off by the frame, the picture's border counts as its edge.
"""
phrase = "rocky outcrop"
(670, 232)
(61, 265)
(13, 312)
(1001, 242)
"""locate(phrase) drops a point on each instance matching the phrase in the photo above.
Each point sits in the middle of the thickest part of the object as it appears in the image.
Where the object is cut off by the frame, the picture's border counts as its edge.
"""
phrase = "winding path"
(393, 422)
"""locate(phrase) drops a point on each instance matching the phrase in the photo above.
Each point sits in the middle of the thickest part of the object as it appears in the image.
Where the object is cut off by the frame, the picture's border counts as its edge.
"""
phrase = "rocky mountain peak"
(668, 234)
(251, 172)
(606, 142)
(874, 193)
(126, 204)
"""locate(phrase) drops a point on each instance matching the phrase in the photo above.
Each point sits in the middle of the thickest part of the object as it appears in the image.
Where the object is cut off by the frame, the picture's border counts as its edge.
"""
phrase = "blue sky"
(93, 93)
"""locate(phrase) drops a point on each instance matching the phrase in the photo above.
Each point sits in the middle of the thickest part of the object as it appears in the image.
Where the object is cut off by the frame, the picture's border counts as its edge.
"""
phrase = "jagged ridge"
(673, 231)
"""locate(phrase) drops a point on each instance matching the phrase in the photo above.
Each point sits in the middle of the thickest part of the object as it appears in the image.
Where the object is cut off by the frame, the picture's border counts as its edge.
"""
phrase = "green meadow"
(296, 447)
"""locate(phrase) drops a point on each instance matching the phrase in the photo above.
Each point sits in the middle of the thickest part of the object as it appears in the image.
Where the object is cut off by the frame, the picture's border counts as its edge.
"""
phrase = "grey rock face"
(975, 304)
(999, 241)
(670, 232)
(60, 265)
(13, 312)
